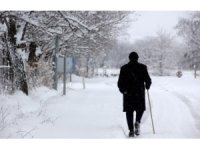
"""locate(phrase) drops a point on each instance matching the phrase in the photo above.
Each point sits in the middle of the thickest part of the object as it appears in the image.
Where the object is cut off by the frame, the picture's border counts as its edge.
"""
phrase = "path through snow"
(96, 112)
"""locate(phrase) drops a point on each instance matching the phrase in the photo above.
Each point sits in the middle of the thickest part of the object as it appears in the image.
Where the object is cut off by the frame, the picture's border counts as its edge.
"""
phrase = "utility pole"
(195, 71)
(64, 75)
(55, 65)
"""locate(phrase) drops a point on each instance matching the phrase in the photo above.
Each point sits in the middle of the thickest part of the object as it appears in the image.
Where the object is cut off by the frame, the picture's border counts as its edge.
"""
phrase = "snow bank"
(22, 115)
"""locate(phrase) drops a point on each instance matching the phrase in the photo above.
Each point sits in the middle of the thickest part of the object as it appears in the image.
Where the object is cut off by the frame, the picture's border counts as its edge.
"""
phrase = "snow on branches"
(82, 33)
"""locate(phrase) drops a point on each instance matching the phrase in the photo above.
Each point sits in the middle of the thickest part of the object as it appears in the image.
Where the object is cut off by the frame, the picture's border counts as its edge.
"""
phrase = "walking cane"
(151, 112)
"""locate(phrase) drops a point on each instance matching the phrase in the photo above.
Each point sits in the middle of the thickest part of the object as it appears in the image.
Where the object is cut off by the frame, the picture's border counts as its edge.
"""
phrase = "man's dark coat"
(132, 81)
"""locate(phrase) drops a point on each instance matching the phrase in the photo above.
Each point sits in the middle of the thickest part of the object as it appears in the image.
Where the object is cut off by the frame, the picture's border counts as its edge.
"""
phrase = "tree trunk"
(32, 59)
(17, 62)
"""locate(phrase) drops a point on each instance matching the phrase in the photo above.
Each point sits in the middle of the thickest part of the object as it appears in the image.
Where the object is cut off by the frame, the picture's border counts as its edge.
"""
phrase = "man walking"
(133, 80)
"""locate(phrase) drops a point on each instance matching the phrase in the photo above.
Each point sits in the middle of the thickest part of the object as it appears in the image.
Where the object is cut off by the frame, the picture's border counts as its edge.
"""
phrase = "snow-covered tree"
(102, 29)
(12, 40)
(29, 37)
(189, 29)
(162, 52)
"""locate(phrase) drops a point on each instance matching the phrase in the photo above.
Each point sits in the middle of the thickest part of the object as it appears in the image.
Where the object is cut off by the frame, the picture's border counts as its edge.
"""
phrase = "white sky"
(149, 22)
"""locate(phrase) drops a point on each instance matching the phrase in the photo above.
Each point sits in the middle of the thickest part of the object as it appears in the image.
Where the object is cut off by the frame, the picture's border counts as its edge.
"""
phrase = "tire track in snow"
(188, 102)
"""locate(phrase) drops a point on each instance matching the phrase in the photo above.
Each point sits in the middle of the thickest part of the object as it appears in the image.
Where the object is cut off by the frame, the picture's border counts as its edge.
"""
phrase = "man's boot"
(131, 134)
(137, 128)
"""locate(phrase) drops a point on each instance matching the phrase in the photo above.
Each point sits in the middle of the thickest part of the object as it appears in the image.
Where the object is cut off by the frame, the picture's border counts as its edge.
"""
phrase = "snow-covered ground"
(96, 112)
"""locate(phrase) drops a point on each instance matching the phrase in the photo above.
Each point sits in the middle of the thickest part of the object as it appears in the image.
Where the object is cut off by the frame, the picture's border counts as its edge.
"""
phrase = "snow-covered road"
(96, 112)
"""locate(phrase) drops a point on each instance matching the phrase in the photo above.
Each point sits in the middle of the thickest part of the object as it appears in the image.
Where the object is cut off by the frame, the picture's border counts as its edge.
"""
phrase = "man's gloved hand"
(148, 86)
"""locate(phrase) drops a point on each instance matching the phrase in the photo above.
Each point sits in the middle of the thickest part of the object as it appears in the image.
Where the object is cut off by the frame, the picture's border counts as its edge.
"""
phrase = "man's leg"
(137, 123)
(129, 118)
(139, 115)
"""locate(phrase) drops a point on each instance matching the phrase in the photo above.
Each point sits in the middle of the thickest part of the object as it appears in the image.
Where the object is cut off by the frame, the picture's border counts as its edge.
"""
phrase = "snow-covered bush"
(42, 75)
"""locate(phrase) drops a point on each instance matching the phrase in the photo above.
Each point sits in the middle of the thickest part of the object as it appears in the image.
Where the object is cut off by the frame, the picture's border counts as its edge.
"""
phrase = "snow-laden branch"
(110, 22)
(74, 30)
(33, 23)
(67, 18)
(4, 67)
